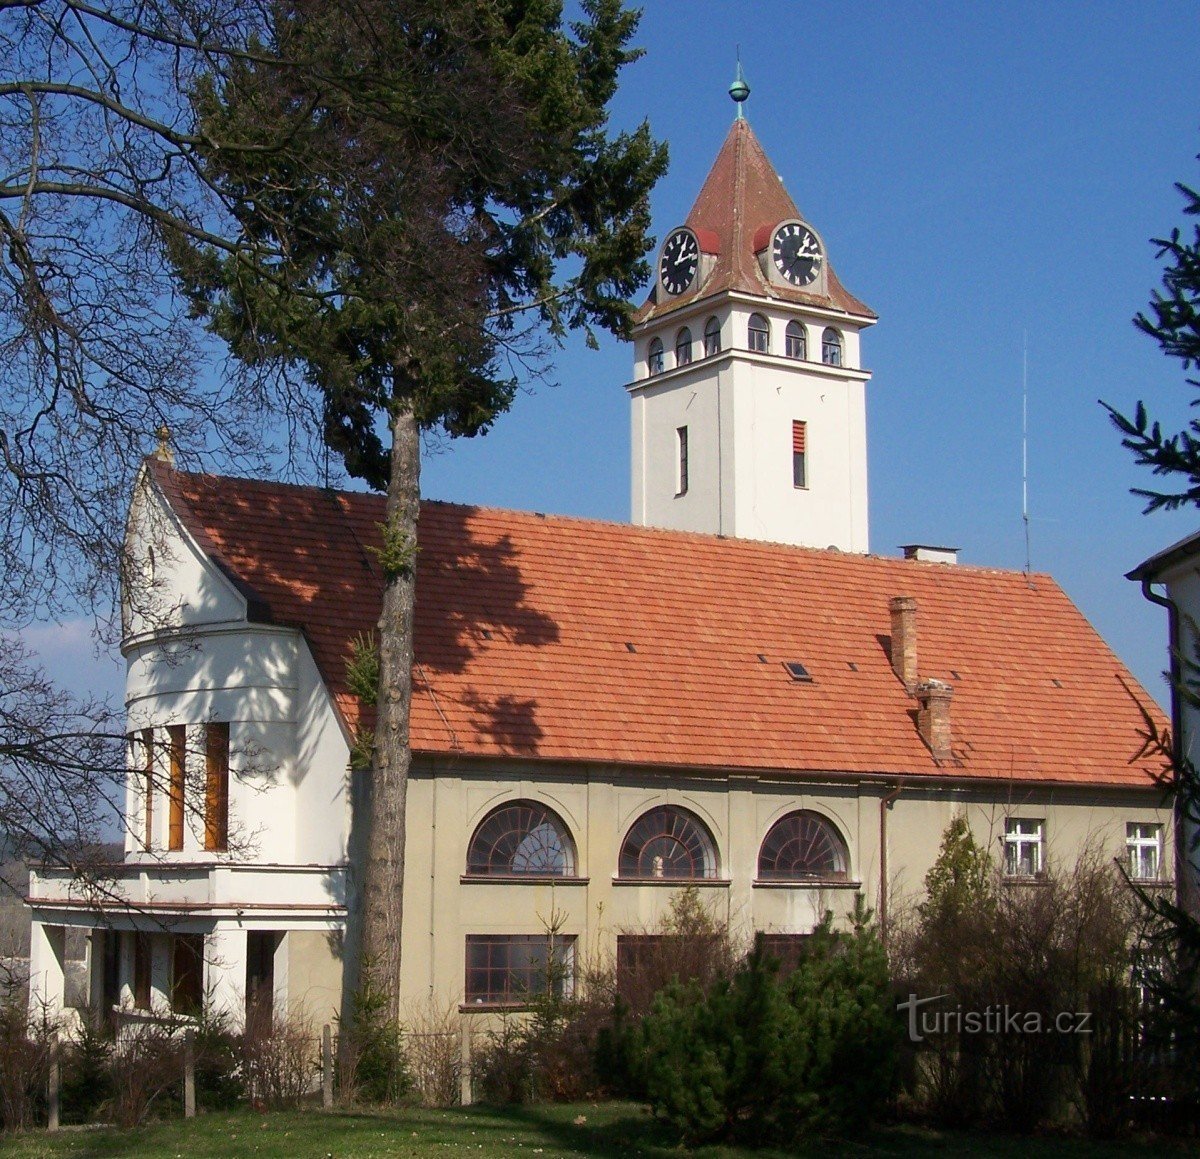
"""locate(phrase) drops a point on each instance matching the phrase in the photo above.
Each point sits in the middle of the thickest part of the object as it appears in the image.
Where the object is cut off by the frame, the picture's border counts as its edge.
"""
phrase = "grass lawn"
(610, 1130)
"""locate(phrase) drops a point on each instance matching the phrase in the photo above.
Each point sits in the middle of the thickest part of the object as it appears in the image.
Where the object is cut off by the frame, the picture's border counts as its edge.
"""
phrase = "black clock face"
(679, 262)
(797, 253)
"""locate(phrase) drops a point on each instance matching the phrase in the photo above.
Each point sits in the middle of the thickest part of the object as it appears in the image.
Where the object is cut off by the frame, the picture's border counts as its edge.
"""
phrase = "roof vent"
(797, 671)
(928, 553)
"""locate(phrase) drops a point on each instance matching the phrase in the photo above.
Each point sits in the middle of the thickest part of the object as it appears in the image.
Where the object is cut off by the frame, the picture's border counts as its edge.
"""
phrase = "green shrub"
(760, 1058)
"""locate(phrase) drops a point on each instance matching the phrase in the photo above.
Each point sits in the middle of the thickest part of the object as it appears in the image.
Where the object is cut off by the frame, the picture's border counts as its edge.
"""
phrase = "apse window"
(683, 347)
(799, 454)
(681, 461)
(512, 969)
(795, 343)
(1024, 847)
(654, 361)
(831, 347)
(1143, 844)
(712, 337)
(758, 334)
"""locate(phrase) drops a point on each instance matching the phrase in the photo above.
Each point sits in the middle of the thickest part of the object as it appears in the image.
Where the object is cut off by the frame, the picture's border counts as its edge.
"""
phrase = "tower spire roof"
(741, 197)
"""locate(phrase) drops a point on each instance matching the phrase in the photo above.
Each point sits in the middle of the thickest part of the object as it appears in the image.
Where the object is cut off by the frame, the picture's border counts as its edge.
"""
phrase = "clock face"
(679, 262)
(797, 253)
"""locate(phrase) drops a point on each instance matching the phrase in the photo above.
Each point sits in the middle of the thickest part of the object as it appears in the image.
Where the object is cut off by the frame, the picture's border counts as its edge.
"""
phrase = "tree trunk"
(383, 868)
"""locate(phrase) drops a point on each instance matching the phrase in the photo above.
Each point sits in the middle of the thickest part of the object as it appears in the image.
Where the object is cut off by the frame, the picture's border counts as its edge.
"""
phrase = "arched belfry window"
(521, 838)
(683, 347)
(654, 360)
(803, 846)
(668, 842)
(758, 334)
(712, 337)
(795, 341)
(831, 347)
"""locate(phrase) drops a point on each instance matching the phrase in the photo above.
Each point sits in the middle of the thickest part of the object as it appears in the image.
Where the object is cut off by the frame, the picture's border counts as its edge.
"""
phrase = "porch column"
(46, 974)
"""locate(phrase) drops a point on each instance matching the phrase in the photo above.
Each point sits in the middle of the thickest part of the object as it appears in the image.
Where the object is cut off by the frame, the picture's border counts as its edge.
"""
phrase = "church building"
(730, 692)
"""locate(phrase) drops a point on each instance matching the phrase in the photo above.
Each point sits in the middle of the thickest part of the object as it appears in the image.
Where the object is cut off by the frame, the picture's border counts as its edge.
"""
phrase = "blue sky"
(980, 173)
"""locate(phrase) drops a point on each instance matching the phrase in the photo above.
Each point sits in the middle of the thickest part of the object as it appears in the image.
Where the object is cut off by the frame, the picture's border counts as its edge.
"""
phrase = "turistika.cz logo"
(997, 1019)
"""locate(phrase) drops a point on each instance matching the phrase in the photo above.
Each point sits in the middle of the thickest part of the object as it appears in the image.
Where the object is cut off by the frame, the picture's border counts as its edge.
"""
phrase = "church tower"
(749, 397)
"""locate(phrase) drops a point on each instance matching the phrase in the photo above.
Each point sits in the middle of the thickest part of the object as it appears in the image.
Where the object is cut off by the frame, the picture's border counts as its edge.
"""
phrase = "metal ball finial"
(739, 90)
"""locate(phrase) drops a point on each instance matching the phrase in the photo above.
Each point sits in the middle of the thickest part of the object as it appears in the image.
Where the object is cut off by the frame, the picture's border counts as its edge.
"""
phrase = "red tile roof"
(548, 638)
(741, 195)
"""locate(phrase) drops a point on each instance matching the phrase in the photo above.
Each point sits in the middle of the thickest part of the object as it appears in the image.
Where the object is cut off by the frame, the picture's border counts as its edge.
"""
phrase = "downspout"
(885, 803)
(1176, 677)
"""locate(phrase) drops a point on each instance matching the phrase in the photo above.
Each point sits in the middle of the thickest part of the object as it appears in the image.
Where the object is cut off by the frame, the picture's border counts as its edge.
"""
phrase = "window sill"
(520, 879)
(677, 882)
(1153, 882)
(494, 1007)
(1039, 879)
(807, 883)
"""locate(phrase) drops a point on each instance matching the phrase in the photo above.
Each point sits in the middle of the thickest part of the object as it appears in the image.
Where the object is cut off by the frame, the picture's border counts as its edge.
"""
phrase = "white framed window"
(795, 344)
(654, 359)
(712, 337)
(831, 347)
(1143, 844)
(681, 461)
(1024, 846)
(758, 334)
(683, 347)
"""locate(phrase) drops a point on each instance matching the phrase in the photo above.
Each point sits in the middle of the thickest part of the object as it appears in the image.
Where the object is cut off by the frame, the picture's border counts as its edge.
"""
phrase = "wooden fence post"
(189, 1074)
(464, 1062)
(54, 1091)
(327, 1066)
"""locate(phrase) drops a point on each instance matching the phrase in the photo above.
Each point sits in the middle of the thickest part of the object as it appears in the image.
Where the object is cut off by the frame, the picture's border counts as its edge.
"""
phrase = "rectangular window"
(789, 950)
(509, 968)
(1023, 847)
(681, 481)
(178, 757)
(216, 788)
(799, 453)
(187, 973)
(141, 971)
(148, 788)
(1144, 845)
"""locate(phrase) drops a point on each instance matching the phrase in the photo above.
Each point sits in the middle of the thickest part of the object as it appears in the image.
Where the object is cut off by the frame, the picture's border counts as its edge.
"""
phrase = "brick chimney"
(904, 639)
(933, 717)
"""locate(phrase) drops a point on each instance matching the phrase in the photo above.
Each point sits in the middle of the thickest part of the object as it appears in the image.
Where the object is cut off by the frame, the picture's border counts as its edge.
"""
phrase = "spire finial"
(163, 453)
(739, 90)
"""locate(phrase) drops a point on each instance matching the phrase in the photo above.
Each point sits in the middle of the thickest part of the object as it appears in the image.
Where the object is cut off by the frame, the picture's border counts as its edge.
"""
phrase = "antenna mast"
(1025, 446)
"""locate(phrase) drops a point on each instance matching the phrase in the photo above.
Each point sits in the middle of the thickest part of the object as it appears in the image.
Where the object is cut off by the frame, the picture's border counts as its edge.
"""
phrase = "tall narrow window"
(147, 740)
(795, 341)
(1144, 845)
(799, 453)
(654, 360)
(712, 337)
(141, 971)
(216, 788)
(683, 347)
(681, 475)
(187, 973)
(178, 759)
(758, 334)
(831, 347)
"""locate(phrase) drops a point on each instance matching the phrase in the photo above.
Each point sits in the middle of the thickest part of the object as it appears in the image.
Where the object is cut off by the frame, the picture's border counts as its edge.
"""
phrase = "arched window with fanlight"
(683, 347)
(831, 347)
(521, 839)
(758, 334)
(803, 846)
(668, 842)
(654, 359)
(795, 341)
(712, 337)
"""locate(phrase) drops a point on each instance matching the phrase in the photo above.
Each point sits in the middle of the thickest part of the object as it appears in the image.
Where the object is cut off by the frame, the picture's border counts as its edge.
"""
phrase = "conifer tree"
(431, 191)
